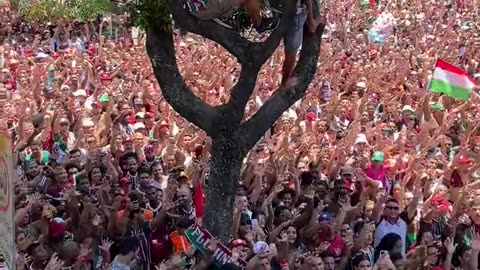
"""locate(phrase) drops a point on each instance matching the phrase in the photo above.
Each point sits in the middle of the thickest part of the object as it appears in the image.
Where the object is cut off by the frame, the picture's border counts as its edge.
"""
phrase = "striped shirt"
(339, 124)
(133, 180)
(436, 227)
(195, 5)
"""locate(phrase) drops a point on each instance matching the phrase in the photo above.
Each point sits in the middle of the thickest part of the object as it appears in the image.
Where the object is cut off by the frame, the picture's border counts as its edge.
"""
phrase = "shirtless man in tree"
(214, 9)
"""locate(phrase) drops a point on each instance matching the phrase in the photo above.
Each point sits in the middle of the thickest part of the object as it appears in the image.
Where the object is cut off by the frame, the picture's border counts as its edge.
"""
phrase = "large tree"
(232, 137)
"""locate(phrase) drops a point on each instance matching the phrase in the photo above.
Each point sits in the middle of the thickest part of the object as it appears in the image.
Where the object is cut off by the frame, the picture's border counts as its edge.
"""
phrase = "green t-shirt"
(44, 159)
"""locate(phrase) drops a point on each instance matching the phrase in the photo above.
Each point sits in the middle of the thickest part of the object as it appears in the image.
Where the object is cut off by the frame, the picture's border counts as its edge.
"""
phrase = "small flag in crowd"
(364, 3)
(198, 199)
(451, 80)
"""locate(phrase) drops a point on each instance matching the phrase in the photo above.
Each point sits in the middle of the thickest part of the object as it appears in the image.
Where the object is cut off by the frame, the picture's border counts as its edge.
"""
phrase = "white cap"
(87, 122)
(41, 55)
(361, 138)
(80, 93)
(407, 108)
(138, 126)
(361, 85)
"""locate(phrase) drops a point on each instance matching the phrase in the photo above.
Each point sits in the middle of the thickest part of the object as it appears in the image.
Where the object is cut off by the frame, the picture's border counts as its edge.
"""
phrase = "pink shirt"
(377, 174)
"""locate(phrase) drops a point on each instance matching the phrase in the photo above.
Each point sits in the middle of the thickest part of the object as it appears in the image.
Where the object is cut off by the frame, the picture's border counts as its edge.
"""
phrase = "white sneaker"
(217, 20)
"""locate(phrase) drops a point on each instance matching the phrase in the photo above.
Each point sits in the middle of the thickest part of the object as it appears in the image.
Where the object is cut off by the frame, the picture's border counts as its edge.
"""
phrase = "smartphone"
(461, 51)
(383, 253)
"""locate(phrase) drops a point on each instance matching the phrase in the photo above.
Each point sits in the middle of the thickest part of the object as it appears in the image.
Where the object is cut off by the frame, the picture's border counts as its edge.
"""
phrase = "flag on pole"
(451, 80)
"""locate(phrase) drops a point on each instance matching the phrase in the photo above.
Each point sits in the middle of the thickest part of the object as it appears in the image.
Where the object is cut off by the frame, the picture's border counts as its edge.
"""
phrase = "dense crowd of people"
(369, 170)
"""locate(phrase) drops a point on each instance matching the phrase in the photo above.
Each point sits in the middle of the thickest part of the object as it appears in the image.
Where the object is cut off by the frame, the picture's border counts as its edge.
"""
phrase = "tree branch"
(229, 39)
(252, 130)
(263, 50)
(241, 92)
(161, 50)
(258, 55)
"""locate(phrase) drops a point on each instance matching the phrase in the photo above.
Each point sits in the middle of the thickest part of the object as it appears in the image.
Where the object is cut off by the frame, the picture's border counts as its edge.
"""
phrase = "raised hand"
(235, 254)
(283, 238)
(278, 189)
(34, 199)
(475, 245)
(22, 261)
(54, 263)
(165, 265)
(84, 251)
(450, 245)
(106, 244)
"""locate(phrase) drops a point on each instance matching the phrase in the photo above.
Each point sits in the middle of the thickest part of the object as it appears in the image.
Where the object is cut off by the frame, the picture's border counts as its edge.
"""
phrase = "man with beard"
(39, 255)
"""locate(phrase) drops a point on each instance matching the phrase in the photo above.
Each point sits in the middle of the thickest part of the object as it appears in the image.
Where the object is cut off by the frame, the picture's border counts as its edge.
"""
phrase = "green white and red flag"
(451, 80)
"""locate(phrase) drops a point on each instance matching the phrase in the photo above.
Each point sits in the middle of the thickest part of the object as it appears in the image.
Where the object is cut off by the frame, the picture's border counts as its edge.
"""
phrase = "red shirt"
(161, 246)
(336, 246)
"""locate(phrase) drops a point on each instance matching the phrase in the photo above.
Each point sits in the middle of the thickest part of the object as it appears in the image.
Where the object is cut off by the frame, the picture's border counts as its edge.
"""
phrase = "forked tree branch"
(231, 40)
(258, 55)
(282, 99)
(161, 50)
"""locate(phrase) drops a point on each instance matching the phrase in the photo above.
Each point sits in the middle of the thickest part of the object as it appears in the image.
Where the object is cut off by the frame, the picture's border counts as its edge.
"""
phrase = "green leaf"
(155, 13)
(71, 9)
(143, 13)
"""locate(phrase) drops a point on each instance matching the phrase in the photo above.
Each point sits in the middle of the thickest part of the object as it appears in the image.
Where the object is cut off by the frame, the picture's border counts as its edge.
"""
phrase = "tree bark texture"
(222, 184)
(231, 137)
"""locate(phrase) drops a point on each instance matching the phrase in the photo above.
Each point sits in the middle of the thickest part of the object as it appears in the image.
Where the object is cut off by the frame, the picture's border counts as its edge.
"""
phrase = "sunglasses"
(64, 124)
(299, 260)
(392, 207)
(246, 222)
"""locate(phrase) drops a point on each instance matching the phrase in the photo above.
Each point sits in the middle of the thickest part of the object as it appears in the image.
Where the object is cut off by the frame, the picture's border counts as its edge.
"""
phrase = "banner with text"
(200, 238)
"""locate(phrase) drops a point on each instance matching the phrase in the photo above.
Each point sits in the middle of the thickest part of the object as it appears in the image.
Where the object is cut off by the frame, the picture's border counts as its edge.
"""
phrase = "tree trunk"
(231, 137)
(225, 165)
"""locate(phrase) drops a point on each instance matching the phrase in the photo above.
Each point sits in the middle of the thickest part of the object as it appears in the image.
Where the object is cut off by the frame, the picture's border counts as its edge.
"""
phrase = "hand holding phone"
(383, 253)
